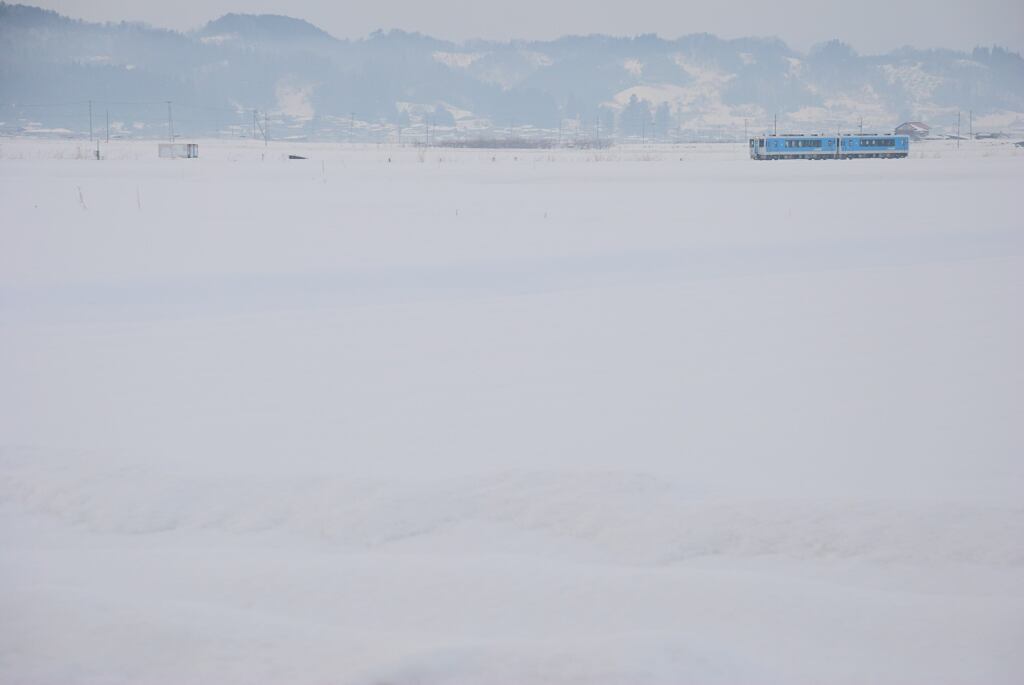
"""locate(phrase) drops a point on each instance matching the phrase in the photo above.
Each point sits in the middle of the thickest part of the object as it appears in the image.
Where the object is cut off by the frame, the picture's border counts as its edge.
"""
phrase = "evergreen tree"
(606, 119)
(662, 122)
(635, 120)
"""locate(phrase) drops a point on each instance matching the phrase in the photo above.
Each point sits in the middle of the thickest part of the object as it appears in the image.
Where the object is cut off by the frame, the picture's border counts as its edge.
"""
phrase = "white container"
(179, 150)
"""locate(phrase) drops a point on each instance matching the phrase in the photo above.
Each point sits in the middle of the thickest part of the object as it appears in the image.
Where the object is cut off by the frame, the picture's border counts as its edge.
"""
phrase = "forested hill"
(312, 84)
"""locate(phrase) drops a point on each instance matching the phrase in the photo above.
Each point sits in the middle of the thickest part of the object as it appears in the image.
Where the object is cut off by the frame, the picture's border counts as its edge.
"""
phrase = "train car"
(874, 145)
(828, 147)
(793, 147)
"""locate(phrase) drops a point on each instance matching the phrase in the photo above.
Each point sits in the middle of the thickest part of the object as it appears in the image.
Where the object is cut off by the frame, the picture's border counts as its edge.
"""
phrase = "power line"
(132, 102)
(45, 104)
(154, 103)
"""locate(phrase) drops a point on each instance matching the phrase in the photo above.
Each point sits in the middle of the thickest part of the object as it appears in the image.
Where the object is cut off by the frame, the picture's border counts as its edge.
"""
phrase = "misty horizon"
(311, 85)
(469, 41)
(874, 27)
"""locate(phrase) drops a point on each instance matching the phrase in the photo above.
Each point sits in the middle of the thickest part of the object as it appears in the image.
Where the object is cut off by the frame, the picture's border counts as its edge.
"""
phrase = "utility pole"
(108, 125)
(746, 136)
(971, 115)
(597, 130)
(266, 129)
(862, 125)
(352, 126)
(90, 119)
(958, 130)
(170, 122)
(775, 125)
(254, 124)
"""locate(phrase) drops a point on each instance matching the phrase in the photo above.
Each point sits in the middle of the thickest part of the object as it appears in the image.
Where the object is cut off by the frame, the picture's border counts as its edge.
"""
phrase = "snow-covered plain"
(394, 416)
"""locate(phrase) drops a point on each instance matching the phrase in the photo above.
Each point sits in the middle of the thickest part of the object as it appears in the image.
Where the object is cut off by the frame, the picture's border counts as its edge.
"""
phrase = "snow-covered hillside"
(387, 415)
(693, 87)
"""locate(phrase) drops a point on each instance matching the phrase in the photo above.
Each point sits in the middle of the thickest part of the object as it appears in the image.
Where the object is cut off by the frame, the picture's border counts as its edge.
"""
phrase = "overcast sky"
(869, 25)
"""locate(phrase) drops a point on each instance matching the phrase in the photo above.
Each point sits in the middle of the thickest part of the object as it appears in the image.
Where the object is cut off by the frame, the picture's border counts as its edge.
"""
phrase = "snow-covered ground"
(395, 416)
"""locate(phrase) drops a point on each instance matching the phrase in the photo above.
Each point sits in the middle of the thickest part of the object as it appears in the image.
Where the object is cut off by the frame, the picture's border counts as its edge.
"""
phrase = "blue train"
(829, 147)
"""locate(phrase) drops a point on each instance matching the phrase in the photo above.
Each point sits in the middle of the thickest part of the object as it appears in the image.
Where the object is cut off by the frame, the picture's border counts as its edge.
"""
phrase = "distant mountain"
(265, 31)
(306, 83)
(273, 27)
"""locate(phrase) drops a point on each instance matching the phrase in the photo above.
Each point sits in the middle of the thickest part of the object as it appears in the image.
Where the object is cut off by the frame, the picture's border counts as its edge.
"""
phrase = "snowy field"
(401, 417)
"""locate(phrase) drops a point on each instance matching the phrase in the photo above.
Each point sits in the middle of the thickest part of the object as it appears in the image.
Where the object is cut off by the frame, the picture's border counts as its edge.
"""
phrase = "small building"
(179, 150)
(915, 129)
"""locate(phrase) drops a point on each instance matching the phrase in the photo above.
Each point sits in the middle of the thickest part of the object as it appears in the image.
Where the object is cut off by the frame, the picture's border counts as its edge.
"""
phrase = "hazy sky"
(869, 25)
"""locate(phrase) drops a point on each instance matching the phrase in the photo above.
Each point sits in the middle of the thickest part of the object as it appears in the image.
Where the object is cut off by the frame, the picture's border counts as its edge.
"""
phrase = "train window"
(803, 143)
(877, 142)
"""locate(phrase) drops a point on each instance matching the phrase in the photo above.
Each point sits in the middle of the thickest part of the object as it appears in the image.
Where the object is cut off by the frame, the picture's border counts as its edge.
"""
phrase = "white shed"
(179, 150)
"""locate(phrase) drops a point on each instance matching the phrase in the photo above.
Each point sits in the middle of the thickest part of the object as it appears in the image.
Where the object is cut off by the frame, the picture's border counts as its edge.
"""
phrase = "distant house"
(914, 129)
